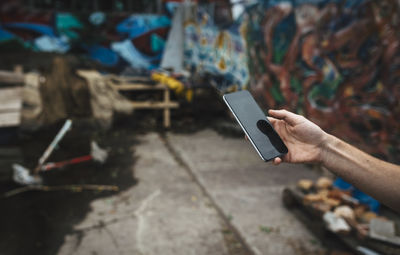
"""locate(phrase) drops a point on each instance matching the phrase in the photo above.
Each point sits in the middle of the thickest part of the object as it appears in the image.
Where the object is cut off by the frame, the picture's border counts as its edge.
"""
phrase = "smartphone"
(255, 125)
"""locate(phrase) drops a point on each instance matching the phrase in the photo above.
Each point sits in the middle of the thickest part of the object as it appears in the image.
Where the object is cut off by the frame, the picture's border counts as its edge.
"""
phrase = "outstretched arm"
(308, 143)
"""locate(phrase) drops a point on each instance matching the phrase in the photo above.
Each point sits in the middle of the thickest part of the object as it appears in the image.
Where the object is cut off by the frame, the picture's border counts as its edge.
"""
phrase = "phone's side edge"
(244, 129)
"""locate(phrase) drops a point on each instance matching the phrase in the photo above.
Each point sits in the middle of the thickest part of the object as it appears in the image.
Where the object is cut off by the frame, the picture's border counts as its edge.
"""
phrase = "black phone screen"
(255, 124)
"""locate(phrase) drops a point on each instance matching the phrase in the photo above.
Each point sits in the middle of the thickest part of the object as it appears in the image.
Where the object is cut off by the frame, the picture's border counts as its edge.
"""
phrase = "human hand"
(303, 138)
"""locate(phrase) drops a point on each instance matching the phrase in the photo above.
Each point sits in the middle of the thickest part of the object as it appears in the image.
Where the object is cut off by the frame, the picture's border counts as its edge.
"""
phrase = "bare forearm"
(375, 177)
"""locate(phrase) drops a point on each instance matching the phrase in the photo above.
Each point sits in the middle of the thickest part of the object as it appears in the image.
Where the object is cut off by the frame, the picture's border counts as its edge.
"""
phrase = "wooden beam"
(7, 110)
(167, 113)
(10, 99)
(113, 77)
(11, 77)
(118, 77)
(154, 105)
(10, 119)
(138, 86)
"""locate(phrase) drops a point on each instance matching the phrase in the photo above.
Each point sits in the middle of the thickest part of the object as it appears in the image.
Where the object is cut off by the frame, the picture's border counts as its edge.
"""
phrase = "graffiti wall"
(337, 62)
(112, 40)
(219, 53)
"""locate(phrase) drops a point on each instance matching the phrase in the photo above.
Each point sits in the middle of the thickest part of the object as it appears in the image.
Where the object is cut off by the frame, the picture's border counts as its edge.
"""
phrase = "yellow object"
(189, 95)
(172, 83)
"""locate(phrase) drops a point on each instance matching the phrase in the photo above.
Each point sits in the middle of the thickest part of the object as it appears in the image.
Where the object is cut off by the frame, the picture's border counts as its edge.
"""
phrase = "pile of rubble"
(322, 205)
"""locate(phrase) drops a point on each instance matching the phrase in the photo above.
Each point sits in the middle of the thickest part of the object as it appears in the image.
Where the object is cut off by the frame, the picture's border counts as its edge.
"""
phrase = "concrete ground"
(197, 194)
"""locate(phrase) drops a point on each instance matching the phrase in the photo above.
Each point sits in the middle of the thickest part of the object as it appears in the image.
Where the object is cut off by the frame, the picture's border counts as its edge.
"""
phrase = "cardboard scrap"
(383, 230)
(344, 211)
(336, 224)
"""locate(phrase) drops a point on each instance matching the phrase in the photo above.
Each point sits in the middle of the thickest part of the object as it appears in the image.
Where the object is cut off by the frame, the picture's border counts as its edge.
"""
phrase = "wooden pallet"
(139, 84)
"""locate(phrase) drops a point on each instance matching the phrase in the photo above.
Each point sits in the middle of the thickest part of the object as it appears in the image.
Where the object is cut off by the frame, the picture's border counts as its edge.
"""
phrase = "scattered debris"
(22, 176)
(97, 154)
(368, 216)
(73, 188)
(357, 194)
(345, 212)
(335, 223)
(323, 206)
(366, 251)
(105, 100)
(323, 183)
(66, 127)
(9, 155)
(383, 230)
(305, 184)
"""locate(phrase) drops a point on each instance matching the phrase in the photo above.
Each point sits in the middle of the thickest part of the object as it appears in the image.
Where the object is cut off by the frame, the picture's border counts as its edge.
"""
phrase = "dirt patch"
(36, 222)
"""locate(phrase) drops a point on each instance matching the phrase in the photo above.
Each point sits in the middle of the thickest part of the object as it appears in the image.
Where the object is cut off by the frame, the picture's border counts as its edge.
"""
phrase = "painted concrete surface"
(166, 213)
(248, 191)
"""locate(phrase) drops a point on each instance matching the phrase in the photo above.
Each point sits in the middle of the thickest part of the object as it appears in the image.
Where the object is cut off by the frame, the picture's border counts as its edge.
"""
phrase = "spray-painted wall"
(112, 40)
(219, 53)
(337, 62)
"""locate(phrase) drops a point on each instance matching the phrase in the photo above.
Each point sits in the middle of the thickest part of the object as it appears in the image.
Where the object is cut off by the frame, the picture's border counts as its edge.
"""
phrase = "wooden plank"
(8, 110)
(154, 105)
(167, 113)
(11, 77)
(10, 99)
(10, 119)
(138, 86)
(127, 78)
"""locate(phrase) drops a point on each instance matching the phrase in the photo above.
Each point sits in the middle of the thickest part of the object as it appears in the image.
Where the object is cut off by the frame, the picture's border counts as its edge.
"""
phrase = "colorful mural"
(219, 53)
(337, 62)
(112, 40)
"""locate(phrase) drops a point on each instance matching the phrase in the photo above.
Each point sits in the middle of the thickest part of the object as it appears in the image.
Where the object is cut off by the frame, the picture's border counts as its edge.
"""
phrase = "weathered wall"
(337, 62)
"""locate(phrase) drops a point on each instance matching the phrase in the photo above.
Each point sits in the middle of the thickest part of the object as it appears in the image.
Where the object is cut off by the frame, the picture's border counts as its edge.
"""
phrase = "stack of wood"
(11, 97)
(11, 84)
(325, 208)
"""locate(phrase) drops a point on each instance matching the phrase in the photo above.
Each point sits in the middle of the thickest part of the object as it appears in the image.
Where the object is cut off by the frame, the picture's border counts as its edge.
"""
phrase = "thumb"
(287, 116)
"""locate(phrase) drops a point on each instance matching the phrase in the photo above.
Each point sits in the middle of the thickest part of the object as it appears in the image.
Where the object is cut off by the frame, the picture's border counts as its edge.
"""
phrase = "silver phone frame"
(245, 131)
